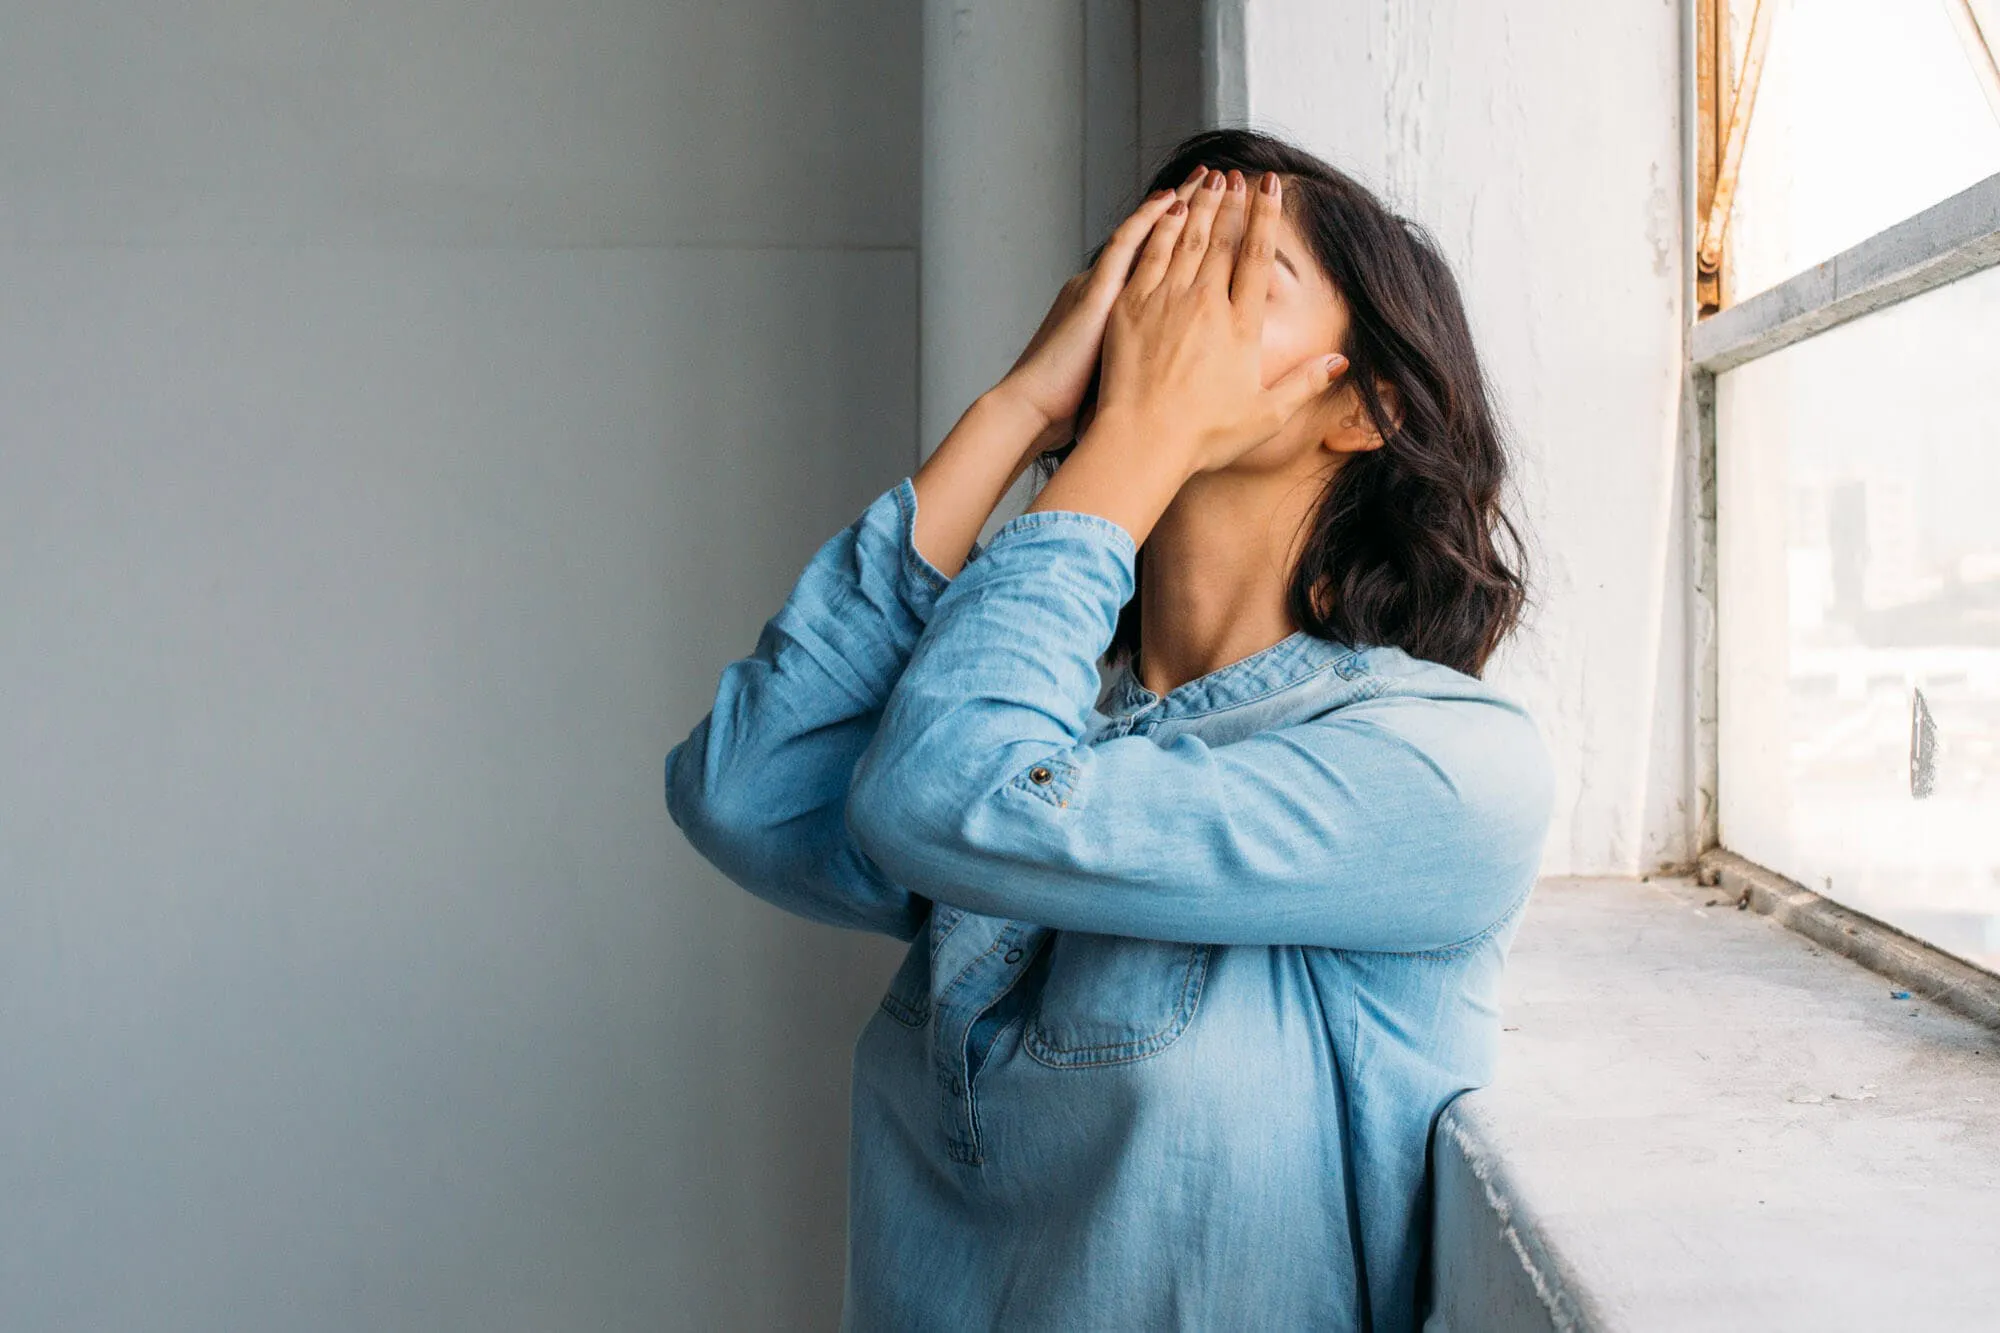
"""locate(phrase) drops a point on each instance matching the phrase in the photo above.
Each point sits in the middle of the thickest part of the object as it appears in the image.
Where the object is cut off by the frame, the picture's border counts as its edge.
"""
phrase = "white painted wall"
(1540, 142)
(405, 412)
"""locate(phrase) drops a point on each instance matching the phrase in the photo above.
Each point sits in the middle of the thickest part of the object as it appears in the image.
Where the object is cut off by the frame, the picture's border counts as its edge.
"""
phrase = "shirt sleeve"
(1395, 823)
(759, 785)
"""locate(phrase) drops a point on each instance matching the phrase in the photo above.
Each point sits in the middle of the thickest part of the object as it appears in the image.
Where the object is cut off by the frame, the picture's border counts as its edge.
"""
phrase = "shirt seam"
(1317, 671)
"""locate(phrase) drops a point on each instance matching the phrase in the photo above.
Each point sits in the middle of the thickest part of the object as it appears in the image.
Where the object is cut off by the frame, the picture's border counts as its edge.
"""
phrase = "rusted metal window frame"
(1725, 100)
(1711, 86)
(1979, 34)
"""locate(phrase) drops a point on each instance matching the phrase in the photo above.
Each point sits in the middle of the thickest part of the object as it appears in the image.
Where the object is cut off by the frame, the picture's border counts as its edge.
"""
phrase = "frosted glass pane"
(1869, 111)
(1859, 534)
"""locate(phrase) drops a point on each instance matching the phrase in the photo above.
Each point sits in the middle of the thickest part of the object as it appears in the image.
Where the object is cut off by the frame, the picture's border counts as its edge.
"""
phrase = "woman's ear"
(1353, 431)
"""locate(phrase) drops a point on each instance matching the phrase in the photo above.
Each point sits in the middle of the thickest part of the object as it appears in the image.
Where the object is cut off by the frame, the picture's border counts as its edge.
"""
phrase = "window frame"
(1939, 245)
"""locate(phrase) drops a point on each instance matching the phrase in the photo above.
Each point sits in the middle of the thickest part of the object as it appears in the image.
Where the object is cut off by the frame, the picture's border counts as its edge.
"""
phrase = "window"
(1847, 383)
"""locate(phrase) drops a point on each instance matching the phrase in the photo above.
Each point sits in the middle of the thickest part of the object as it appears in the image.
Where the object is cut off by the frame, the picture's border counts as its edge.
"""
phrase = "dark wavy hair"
(1409, 546)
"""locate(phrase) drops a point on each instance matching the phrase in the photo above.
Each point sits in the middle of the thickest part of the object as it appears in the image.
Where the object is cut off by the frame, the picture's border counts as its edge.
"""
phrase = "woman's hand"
(999, 436)
(1053, 373)
(1183, 345)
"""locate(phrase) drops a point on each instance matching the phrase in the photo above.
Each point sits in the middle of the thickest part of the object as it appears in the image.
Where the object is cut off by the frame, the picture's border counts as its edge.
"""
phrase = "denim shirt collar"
(1290, 661)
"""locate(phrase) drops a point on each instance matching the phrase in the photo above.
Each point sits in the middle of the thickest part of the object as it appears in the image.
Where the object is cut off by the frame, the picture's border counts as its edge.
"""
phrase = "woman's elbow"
(871, 822)
(731, 833)
(897, 818)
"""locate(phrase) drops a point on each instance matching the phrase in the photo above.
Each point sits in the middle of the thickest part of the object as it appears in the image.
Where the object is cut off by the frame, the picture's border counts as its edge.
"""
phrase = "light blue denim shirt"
(1191, 975)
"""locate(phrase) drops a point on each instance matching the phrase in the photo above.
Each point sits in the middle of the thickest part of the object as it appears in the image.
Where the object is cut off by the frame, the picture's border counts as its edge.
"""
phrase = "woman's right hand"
(1005, 428)
(1053, 373)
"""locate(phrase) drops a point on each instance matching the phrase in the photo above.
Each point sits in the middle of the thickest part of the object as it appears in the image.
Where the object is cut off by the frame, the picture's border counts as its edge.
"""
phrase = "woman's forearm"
(958, 486)
(1124, 469)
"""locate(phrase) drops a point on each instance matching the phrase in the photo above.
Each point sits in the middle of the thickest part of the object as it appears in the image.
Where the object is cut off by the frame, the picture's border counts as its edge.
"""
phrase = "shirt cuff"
(1116, 553)
(1051, 584)
(926, 580)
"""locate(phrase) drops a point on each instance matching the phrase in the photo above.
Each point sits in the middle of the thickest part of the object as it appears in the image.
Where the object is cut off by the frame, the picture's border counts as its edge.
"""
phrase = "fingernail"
(1178, 207)
(1237, 185)
(1270, 184)
(1214, 182)
(1157, 195)
(1195, 176)
(1334, 363)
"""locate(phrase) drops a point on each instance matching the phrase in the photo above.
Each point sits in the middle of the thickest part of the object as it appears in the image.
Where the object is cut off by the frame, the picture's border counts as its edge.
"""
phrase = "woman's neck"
(1218, 565)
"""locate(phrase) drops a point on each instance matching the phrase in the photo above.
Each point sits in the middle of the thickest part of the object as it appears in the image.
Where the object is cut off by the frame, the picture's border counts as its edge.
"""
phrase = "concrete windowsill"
(1703, 1119)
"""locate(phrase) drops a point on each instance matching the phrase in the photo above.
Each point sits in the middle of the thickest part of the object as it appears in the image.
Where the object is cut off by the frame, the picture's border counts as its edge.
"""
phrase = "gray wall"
(405, 411)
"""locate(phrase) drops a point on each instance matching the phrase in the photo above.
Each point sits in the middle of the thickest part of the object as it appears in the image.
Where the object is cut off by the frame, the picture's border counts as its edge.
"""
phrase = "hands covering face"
(1183, 347)
(1053, 374)
(1174, 307)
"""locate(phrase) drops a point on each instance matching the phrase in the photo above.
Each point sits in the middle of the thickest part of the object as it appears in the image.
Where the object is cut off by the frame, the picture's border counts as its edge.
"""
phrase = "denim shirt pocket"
(1108, 999)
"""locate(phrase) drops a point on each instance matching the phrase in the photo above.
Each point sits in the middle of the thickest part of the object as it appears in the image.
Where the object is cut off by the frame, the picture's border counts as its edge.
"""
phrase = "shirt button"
(1013, 955)
(1039, 774)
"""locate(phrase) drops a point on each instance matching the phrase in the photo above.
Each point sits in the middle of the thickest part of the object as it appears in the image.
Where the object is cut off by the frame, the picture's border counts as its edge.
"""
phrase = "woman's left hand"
(1053, 372)
(1183, 347)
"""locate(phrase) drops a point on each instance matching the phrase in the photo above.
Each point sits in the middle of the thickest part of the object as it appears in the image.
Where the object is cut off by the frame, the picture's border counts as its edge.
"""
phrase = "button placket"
(980, 985)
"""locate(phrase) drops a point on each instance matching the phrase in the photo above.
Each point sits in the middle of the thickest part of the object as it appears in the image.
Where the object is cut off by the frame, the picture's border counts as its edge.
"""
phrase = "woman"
(1202, 941)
